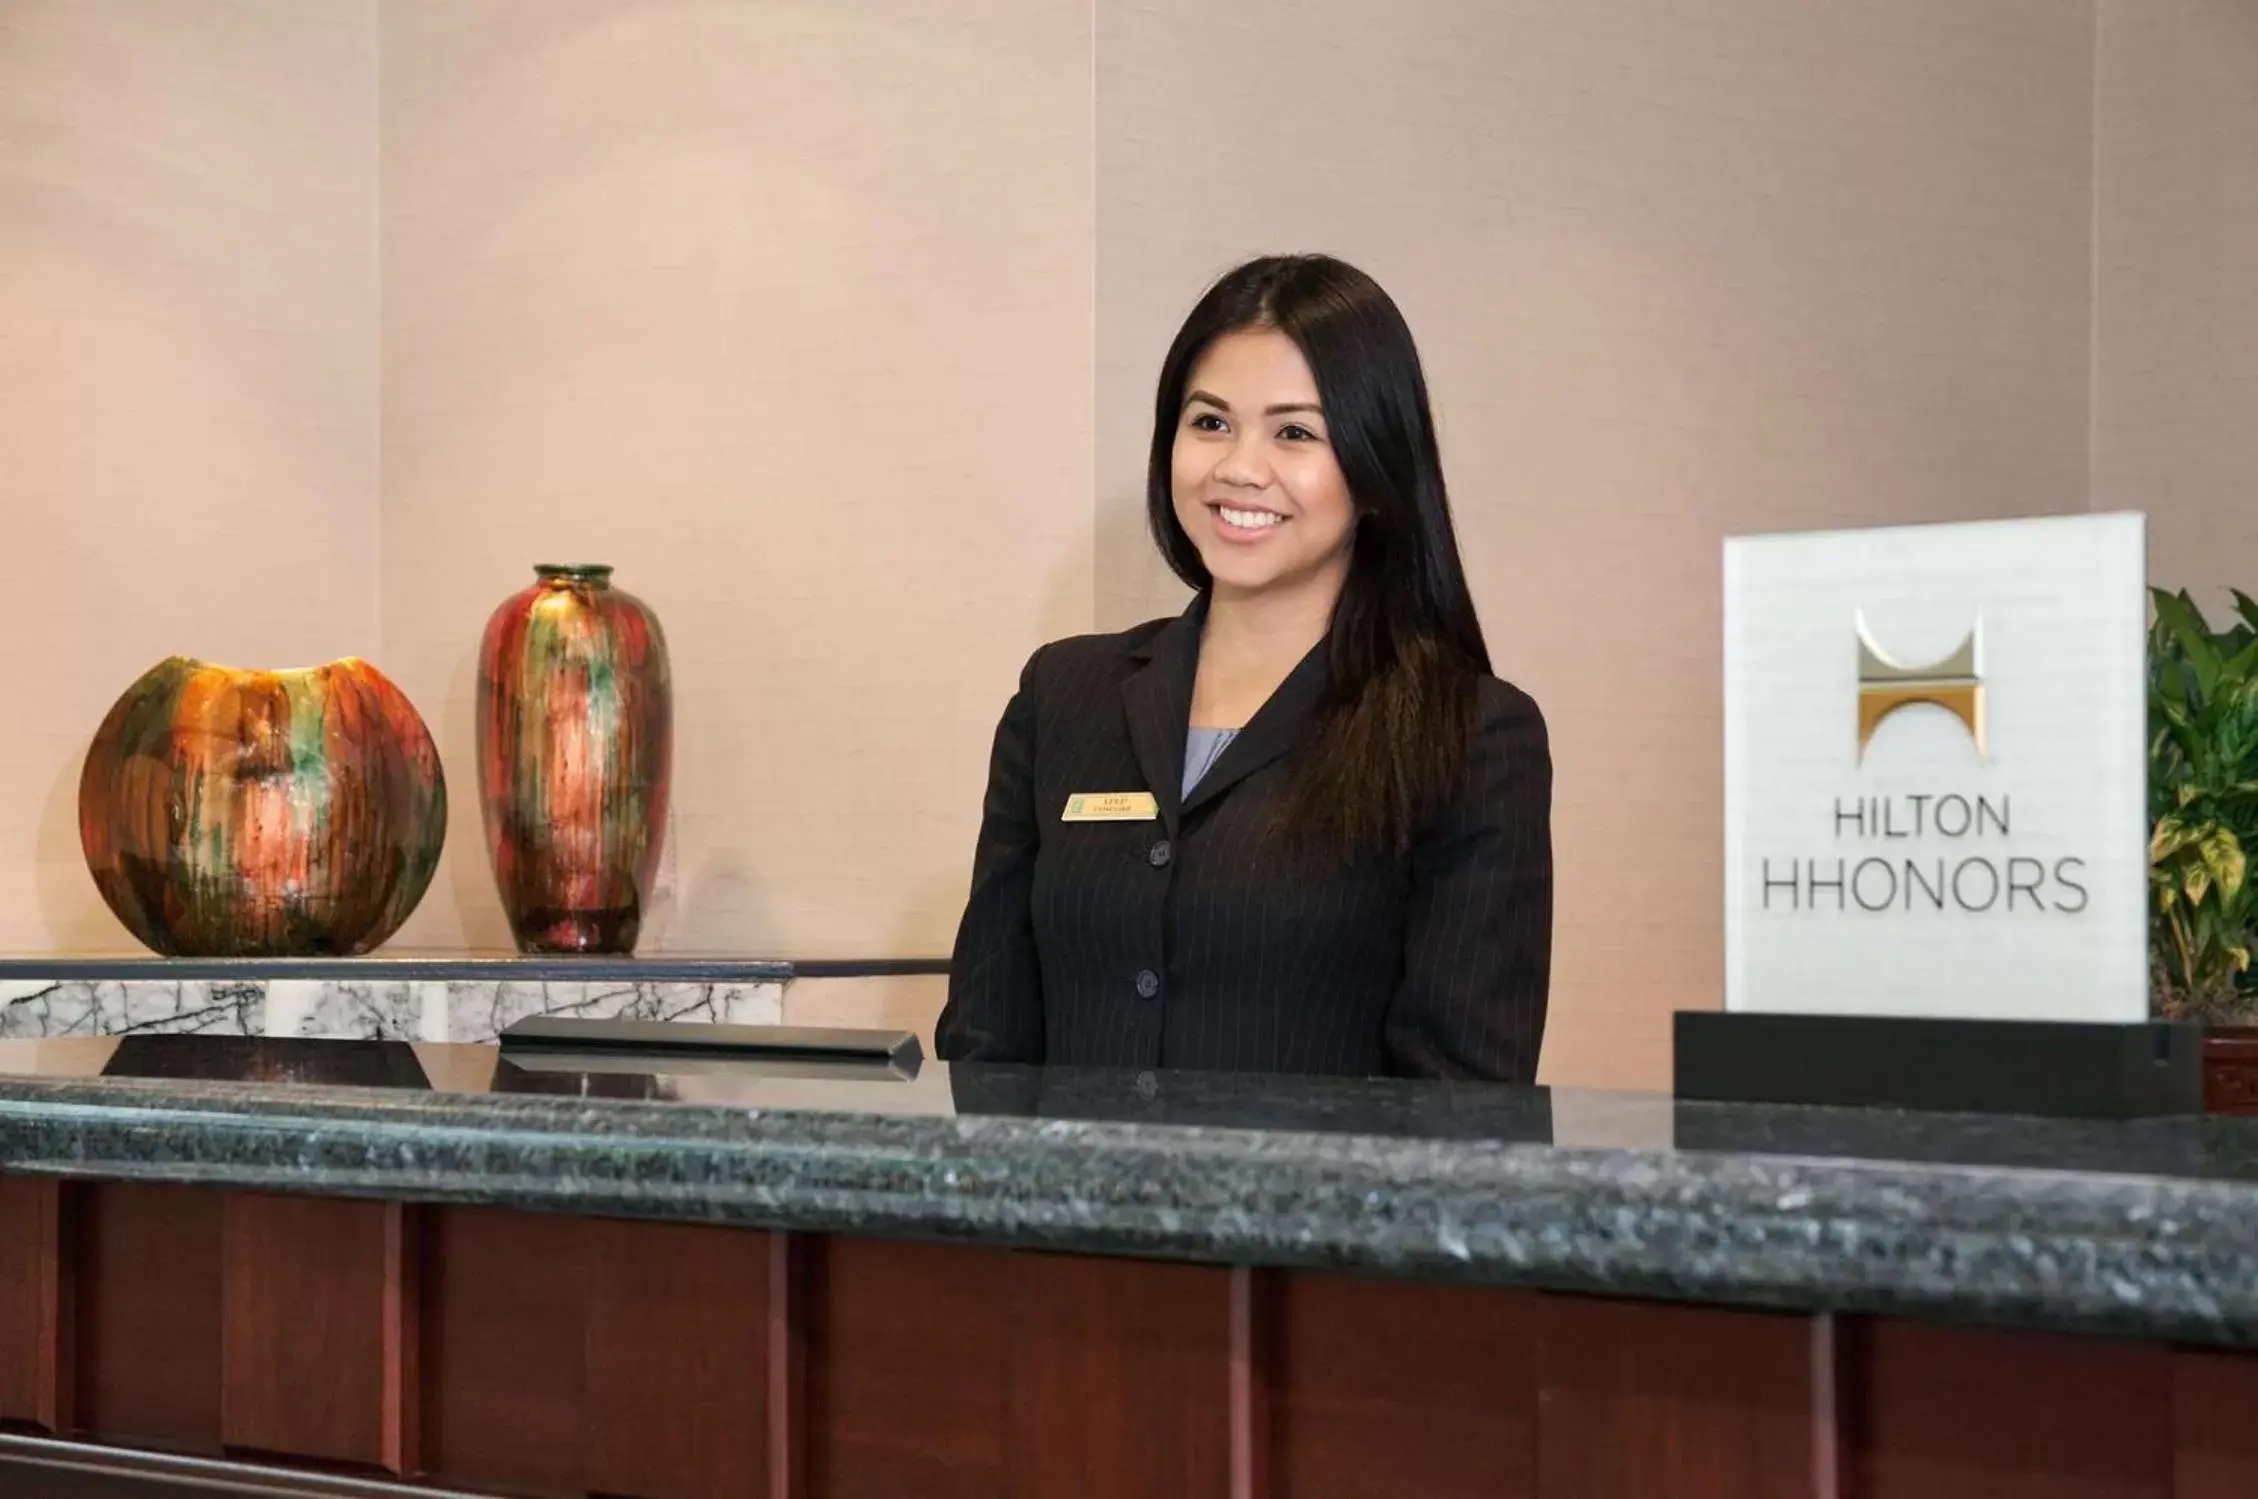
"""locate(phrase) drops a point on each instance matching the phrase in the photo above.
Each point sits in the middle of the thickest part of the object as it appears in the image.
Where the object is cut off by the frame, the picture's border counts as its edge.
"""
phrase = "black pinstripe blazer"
(1189, 940)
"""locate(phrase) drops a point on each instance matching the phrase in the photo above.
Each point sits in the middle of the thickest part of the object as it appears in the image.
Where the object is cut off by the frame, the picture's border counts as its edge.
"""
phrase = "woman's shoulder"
(1077, 658)
(1506, 718)
(1496, 698)
(1508, 764)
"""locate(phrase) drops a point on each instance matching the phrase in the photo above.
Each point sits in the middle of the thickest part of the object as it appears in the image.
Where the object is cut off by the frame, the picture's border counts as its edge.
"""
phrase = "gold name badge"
(1111, 806)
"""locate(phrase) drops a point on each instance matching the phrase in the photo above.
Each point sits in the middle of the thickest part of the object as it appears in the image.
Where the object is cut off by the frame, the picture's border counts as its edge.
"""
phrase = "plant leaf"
(2246, 606)
(2179, 614)
(2170, 837)
(2223, 856)
(2171, 678)
(2183, 731)
(2239, 669)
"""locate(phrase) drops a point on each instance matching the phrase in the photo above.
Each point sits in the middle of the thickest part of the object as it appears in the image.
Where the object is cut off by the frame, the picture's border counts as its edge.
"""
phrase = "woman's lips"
(1245, 524)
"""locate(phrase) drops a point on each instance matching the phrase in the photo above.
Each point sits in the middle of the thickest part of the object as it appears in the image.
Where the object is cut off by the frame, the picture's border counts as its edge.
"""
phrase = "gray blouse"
(1202, 748)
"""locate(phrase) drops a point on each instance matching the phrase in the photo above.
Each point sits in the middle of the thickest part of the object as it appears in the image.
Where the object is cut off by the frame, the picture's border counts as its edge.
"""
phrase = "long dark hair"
(1389, 743)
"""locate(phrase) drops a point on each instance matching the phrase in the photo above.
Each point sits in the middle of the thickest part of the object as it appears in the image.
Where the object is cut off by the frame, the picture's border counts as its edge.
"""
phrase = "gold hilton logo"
(1955, 684)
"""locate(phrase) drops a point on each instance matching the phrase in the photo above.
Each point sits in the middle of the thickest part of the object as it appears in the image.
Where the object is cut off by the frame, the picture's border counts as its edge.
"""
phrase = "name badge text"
(1111, 806)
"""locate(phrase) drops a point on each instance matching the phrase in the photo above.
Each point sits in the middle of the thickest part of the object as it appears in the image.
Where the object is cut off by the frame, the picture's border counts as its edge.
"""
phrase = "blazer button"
(1148, 984)
(1159, 855)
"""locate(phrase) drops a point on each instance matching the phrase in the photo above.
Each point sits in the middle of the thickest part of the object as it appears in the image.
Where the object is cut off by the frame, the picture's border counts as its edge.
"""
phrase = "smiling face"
(1254, 479)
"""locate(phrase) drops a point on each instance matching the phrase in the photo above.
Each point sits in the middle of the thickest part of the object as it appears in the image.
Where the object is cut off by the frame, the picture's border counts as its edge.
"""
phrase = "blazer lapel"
(1158, 700)
(1269, 734)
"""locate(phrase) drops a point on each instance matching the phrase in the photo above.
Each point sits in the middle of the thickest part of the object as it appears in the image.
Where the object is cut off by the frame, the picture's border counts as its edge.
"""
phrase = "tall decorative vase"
(575, 751)
(235, 813)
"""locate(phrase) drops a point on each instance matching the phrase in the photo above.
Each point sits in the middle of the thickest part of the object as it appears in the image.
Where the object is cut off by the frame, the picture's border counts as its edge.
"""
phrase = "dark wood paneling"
(2214, 1425)
(1965, 1413)
(677, 1360)
(1382, 1388)
(567, 1355)
(786, 1374)
(402, 1323)
(959, 1372)
(148, 1326)
(504, 1349)
(908, 1361)
(1639, 1399)
(309, 1310)
(1252, 1310)
(34, 1297)
(1120, 1379)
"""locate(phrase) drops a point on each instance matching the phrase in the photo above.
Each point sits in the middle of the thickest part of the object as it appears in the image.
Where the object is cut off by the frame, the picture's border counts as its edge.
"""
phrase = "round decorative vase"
(575, 753)
(235, 813)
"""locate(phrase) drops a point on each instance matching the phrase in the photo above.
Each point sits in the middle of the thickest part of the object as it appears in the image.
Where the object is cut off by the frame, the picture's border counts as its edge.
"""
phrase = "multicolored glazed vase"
(575, 752)
(262, 813)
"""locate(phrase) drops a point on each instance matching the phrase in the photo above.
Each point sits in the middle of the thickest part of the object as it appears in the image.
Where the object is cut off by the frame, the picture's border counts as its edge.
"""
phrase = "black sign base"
(2062, 1069)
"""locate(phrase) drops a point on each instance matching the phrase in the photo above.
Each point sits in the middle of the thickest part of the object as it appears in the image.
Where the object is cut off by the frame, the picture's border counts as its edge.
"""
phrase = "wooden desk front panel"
(535, 1355)
(570, 1355)
(146, 1324)
(34, 1385)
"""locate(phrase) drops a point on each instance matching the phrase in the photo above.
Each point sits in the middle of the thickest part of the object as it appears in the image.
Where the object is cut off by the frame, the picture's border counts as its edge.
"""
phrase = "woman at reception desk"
(1301, 828)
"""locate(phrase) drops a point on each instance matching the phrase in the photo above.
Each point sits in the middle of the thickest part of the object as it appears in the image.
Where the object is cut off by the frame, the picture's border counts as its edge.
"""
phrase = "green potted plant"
(2203, 815)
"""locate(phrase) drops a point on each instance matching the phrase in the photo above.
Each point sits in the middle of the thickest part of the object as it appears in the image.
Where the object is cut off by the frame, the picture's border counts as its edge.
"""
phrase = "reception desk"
(383, 1267)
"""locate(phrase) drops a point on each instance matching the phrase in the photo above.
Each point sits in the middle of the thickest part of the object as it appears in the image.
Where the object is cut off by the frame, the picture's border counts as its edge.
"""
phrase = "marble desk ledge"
(463, 997)
(374, 1009)
(2141, 1256)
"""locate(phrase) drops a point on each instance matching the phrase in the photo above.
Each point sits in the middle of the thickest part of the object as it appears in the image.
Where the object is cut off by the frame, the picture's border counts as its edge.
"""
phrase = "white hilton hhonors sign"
(1935, 771)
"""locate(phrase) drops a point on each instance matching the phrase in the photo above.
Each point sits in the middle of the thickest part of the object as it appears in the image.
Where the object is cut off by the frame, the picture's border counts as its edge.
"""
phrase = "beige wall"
(1678, 271)
(2176, 308)
(188, 293)
(782, 309)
